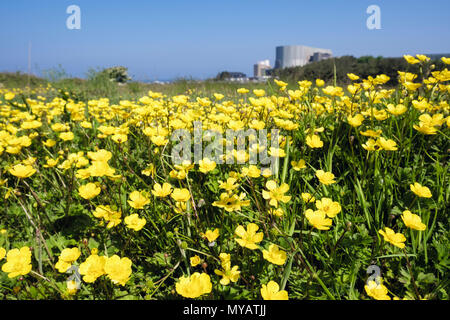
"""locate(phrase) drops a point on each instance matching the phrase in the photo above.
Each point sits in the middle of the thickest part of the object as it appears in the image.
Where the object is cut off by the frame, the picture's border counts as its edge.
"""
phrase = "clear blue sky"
(199, 38)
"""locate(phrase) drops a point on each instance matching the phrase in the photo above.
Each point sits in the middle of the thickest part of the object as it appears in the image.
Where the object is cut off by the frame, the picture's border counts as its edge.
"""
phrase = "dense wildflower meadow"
(94, 205)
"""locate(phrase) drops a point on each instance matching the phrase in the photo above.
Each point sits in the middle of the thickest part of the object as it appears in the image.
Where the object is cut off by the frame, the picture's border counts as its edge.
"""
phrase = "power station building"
(293, 56)
(261, 69)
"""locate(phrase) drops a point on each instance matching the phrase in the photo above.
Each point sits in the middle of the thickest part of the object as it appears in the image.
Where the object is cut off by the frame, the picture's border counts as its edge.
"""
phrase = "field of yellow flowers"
(94, 207)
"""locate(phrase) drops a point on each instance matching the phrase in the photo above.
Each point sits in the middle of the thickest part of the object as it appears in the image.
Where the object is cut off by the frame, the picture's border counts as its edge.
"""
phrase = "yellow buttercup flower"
(330, 207)
(93, 267)
(9, 96)
(325, 178)
(67, 136)
(249, 238)
(377, 290)
(413, 221)
(297, 166)
(2, 253)
(22, 171)
(355, 121)
(388, 145)
(72, 287)
(18, 262)
(134, 222)
(89, 191)
(195, 260)
(307, 197)
(118, 269)
(211, 235)
(271, 291)
(275, 255)
(162, 191)
(138, 200)
(180, 195)
(206, 165)
(352, 76)
(420, 191)
(411, 59)
(397, 239)
(275, 193)
(318, 219)
(313, 141)
(194, 286)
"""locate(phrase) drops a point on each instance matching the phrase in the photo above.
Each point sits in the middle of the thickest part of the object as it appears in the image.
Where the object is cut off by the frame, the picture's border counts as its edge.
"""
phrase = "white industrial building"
(293, 56)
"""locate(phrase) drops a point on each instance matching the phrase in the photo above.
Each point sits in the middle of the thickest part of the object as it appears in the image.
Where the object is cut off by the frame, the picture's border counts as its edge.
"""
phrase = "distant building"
(294, 56)
(261, 69)
(438, 56)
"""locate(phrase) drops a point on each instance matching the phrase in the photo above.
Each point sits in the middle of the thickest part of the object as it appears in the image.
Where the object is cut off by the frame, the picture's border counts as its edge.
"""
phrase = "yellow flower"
(420, 191)
(66, 136)
(271, 291)
(2, 253)
(422, 57)
(276, 194)
(134, 222)
(445, 60)
(320, 83)
(206, 165)
(397, 239)
(195, 260)
(163, 191)
(318, 219)
(180, 195)
(149, 171)
(275, 255)
(72, 287)
(18, 262)
(397, 110)
(376, 290)
(22, 171)
(93, 268)
(66, 258)
(89, 191)
(9, 96)
(297, 166)
(194, 286)
(228, 185)
(259, 92)
(313, 141)
(70, 254)
(138, 200)
(325, 177)
(355, 121)
(118, 269)
(252, 171)
(242, 90)
(371, 133)
(413, 221)
(388, 145)
(352, 76)
(229, 274)
(49, 143)
(249, 238)
(411, 59)
(62, 266)
(211, 235)
(231, 202)
(307, 197)
(100, 155)
(330, 207)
